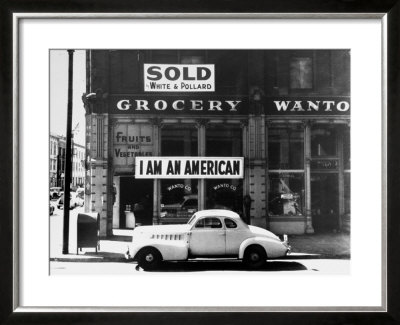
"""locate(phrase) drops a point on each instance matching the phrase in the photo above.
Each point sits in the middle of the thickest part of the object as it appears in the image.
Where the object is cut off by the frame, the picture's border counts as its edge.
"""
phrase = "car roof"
(218, 212)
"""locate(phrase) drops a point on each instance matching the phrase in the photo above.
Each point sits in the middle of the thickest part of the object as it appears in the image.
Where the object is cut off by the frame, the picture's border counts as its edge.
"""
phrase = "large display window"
(223, 142)
(224, 193)
(179, 199)
(323, 141)
(286, 194)
(178, 141)
(285, 148)
(286, 171)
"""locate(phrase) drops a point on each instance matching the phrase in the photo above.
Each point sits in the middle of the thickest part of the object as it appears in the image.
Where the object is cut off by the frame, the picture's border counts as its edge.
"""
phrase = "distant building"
(57, 162)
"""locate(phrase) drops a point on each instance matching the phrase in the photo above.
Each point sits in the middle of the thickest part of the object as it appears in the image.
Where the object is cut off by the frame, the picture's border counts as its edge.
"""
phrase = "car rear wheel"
(255, 257)
(149, 259)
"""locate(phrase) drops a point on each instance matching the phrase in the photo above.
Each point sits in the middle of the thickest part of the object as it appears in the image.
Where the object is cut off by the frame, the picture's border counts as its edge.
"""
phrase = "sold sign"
(179, 77)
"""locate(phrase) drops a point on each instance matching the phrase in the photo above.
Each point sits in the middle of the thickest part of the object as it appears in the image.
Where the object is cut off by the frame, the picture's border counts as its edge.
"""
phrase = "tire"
(255, 257)
(149, 259)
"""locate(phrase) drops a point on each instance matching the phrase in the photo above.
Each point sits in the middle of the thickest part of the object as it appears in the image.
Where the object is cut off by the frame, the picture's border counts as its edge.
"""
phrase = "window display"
(286, 194)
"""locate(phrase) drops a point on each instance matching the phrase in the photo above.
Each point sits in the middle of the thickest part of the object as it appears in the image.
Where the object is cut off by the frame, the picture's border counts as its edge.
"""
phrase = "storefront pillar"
(307, 171)
(341, 181)
(157, 125)
(257, 171)
(201, 136)
(245, 140)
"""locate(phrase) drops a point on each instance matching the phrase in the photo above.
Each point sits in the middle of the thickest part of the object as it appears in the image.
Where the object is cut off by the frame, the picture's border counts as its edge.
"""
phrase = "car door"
(207, 237)
(236, 233)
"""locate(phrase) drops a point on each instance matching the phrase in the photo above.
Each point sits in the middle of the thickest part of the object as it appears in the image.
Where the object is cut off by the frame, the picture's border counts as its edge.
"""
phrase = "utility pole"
(68, 162)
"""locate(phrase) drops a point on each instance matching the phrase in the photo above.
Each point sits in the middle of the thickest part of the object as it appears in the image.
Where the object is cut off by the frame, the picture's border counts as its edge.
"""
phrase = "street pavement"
(327, 254)
(286, 266)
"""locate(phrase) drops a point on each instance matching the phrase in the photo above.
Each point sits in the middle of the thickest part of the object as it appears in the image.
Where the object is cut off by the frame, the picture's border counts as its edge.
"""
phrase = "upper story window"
(192, 57)
(178, 56)
(301, 72)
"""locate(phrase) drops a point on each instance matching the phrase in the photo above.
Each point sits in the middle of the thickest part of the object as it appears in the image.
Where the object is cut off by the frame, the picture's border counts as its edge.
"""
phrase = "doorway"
(138, 195)
(325, 202)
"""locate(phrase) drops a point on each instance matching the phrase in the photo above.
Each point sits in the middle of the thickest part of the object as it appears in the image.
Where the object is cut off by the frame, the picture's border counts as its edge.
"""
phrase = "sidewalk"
(328, 245)
(111, 250)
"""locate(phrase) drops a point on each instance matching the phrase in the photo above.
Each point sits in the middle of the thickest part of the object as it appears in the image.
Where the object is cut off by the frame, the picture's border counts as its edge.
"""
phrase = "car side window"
(212, 223)
(209, 223)
(200, 224)
(229, 223)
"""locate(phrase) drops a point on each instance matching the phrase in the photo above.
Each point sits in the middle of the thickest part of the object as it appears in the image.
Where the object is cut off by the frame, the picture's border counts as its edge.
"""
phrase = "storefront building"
(263, 133)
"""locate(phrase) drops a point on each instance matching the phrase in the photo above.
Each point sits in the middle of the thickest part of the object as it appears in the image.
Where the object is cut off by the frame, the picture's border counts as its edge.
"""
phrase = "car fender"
(273, 247)
(170, 250)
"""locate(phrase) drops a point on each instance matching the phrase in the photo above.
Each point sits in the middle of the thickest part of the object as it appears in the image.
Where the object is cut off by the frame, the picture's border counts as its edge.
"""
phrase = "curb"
(89, 259)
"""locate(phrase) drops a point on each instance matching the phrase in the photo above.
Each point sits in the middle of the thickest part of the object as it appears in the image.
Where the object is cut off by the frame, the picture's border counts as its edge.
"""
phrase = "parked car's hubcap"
(149, 258)
(254, 257)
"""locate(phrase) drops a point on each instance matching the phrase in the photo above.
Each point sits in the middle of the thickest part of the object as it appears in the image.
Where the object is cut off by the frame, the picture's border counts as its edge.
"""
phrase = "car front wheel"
(255, 257)
(149, 259)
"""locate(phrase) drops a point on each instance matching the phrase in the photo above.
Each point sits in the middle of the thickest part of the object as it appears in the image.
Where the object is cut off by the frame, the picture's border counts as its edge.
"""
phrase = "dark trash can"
(88, 231)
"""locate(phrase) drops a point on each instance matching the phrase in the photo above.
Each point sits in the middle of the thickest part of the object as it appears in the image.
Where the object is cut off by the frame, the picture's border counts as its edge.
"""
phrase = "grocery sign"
(179, 78)
(184, 167)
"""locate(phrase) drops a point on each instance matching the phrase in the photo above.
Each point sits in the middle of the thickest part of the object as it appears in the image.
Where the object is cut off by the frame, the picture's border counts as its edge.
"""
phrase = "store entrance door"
(138, 194)
(325, 202)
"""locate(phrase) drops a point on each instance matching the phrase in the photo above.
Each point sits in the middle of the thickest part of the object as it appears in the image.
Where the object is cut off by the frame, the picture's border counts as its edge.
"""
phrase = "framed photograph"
(224, 165)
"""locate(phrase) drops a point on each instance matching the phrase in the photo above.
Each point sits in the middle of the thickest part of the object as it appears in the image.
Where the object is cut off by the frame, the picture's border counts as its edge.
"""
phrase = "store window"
(286, 194)
(224, 193)
(177, 141)
(223, 142)
(286, 170)
(285, 148)
(301, 73)
(179, 197)
(323, 141)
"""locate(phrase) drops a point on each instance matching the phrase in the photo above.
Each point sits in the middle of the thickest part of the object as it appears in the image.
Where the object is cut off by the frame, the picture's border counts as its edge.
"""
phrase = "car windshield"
(191, 220)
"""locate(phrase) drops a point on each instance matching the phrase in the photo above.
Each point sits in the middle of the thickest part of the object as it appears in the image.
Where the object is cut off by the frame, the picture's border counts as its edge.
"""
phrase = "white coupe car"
(209, 233)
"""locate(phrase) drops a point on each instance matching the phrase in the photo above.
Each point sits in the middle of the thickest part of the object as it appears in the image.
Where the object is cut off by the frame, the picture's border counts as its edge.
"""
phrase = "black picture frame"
(9, 142)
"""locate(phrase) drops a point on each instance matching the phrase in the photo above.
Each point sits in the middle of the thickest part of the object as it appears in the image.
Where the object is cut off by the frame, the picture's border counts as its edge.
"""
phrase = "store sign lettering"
(123, 138)
(224, 186)
(179, 77)
(131, 152)
(188, 167)
(315, 106)
(308, 106)
(179, 186)
(143, 105)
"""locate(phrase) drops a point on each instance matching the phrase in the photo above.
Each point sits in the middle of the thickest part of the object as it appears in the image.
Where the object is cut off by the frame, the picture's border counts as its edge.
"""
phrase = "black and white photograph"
(200, 164)
(200, 160)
